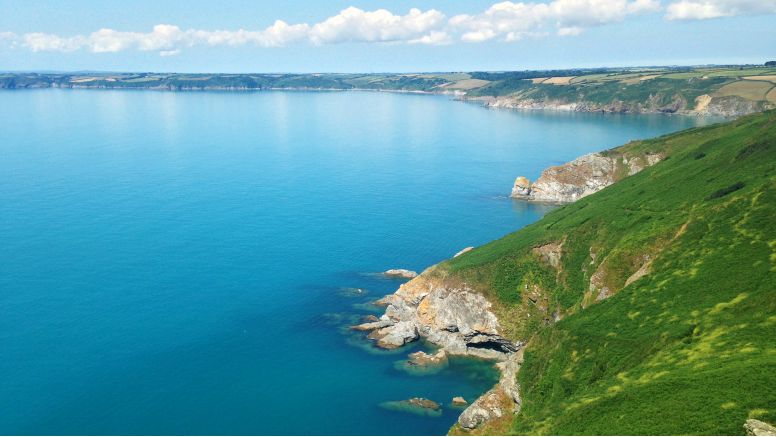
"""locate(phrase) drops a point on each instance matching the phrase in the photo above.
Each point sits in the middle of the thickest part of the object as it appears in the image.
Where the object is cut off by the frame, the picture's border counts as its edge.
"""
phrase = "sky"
(305, 36)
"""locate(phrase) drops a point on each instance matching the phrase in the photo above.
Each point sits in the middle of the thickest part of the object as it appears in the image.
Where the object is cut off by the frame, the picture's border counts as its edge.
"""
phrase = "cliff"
(704, 104)
(643, 308)
(583, 176)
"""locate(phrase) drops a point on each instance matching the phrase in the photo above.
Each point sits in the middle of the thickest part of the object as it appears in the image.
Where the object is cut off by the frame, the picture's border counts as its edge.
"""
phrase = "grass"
(690, 348)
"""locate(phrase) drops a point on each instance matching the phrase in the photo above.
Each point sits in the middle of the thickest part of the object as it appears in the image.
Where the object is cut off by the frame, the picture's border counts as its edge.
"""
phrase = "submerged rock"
(421, 406)
(352, 291)
(400, 273)
(422, 359)
(420, 363)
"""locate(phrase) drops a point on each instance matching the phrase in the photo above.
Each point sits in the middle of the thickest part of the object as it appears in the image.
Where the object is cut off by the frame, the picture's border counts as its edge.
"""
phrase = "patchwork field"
(768, 77)
(560, 80)
(748, 89)
(467, 84)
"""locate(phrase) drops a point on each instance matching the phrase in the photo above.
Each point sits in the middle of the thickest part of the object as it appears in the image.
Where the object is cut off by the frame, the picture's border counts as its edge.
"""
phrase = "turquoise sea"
(184, 263)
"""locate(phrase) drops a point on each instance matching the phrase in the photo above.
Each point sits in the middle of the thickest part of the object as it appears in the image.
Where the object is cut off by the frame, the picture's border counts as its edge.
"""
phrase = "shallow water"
(174, 263)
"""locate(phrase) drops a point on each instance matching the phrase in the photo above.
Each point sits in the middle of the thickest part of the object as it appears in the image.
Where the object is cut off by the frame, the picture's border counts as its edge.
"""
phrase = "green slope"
(689, 348)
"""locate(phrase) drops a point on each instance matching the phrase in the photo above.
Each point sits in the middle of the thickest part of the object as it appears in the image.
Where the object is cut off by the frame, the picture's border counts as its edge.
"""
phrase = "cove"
(183, 263)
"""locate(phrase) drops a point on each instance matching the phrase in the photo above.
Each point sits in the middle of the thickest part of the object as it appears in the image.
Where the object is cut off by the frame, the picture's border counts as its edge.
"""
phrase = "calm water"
(179, 262)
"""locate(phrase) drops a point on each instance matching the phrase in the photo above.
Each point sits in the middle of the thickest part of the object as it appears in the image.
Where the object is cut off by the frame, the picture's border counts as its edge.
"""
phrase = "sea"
(190, 262)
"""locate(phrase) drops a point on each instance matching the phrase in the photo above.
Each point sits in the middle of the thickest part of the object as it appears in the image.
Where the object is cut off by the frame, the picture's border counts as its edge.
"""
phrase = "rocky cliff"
(725, 106)
(583, 176)
(460, 321)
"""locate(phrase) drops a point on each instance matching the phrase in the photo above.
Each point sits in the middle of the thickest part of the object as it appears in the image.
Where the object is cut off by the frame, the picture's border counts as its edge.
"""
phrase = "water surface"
(174, 263)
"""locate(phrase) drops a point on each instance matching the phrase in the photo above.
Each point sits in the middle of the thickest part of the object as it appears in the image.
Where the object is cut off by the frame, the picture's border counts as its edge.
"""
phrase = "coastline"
(729, 111)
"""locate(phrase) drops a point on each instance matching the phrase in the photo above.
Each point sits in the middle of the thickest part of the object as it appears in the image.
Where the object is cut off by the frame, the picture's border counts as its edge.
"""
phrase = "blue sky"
(381, 36)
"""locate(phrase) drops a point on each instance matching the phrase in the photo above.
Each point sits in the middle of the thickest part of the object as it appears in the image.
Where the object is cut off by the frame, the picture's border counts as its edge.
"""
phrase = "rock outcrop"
(757, 427)
(457, 319)
(460, 322)
(581, 177)
(499, 401)
(704, 105)
(400, 273)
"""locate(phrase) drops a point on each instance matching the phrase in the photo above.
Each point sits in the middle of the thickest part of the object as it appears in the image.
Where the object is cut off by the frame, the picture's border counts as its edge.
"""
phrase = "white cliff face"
(579, 178)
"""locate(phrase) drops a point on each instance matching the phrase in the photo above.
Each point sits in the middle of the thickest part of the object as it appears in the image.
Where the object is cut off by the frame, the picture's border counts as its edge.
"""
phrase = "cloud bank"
(506, 21)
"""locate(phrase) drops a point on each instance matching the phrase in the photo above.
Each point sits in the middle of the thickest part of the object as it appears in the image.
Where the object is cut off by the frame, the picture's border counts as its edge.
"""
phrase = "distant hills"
(722, 90)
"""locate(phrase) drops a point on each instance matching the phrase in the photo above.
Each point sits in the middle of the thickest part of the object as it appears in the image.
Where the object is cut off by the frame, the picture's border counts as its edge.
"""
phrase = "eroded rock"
(400, 273)
(579, 178)
(502, 399)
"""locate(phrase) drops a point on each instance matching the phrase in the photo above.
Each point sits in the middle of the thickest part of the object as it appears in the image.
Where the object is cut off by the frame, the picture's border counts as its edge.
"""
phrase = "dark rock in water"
(369, 318)
(420, 406)
(757, 427)
(352, 291)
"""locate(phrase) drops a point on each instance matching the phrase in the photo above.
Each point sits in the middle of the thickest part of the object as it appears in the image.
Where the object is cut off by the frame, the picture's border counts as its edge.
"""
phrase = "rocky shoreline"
(458, 320)
(581, 177)
(704, 105)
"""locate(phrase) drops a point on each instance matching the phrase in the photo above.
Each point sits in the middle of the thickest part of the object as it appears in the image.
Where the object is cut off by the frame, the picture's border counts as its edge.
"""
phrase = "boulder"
(522, 187)
(395, 335)
(459, 401)
(757, 427)
(400, 273)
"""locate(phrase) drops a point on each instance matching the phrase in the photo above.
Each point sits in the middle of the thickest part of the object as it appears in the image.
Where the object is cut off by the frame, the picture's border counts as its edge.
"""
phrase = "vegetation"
(687, 342)
(629, 89)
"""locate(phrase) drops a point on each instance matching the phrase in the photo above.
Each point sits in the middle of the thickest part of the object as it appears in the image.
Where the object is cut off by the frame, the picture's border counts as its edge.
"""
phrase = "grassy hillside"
(686, 250)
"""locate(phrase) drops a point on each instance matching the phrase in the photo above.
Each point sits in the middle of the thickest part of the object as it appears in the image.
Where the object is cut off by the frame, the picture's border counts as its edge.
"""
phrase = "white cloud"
(706, 9)
(355, 25)
(169, 52)
(570, 31)
(504, 21)
(512, 21)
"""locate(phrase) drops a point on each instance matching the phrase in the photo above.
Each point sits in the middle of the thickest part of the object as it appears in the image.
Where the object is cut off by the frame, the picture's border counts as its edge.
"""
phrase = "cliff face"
(581, 177)
(460, 321)
(454, 317)
(646, 308)
(725, 106)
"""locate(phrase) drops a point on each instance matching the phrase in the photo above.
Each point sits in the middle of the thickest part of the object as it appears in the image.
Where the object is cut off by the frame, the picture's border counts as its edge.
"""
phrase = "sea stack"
(522, 187)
